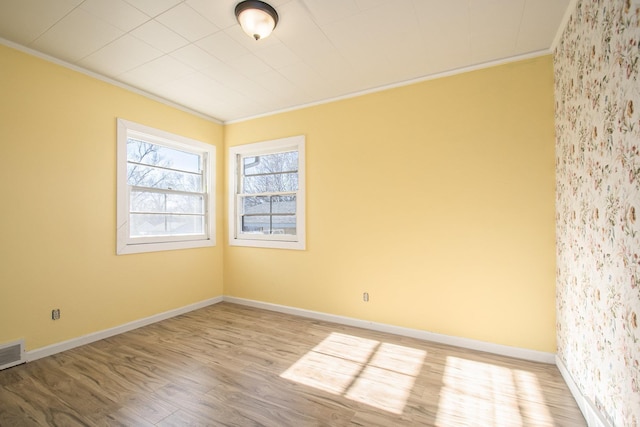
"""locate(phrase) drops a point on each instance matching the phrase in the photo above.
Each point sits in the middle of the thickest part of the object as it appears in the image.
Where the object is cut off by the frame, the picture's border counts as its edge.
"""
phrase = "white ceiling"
(193, 52)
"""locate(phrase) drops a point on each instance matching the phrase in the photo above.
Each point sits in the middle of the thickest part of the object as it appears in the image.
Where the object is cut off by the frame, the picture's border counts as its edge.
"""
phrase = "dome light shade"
(257, 18)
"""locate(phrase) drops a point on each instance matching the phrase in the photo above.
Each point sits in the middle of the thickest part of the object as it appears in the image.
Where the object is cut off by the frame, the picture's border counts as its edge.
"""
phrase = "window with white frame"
(267, 194)
(166, 190)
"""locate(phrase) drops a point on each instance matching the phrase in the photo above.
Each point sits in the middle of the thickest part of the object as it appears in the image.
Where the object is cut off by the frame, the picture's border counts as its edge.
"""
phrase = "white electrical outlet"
(365, 297)
(55, 314)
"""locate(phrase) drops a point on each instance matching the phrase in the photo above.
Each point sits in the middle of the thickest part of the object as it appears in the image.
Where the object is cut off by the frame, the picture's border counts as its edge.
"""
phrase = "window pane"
(268, 204)
(284, 224)
(270, 183)
(157, 155)
(256, 224)
(283, 204)
(269, 224)
(147, 176)
(270, 163)
(255, 205)
(183, 203)
(146, 201)
(165, 225)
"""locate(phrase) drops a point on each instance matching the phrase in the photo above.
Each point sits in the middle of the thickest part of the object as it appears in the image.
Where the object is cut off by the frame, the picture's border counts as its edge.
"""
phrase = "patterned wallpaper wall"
(597, 91)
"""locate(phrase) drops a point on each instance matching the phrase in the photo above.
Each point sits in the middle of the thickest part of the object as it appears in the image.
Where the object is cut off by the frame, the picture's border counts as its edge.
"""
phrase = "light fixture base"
(257, 18)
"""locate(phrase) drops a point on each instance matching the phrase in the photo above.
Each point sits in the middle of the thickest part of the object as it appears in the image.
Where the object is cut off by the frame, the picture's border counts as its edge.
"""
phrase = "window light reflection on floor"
(476, 393)
(531, 399)
(364, 370)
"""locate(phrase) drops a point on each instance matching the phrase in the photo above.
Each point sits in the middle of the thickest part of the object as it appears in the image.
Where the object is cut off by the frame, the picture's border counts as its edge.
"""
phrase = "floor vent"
(11, 354)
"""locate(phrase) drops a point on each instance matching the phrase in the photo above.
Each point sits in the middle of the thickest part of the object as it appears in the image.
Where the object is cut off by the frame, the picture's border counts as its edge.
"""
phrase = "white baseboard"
(96, 336)
(591, 414)
(520, 353)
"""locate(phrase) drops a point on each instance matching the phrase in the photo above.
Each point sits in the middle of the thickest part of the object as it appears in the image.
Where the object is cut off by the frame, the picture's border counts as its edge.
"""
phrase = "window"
(266, 194)
(165, 190)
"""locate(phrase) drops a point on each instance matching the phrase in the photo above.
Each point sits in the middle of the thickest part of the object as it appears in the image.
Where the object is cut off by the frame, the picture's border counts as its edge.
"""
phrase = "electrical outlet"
(365, 297)
(55, 314)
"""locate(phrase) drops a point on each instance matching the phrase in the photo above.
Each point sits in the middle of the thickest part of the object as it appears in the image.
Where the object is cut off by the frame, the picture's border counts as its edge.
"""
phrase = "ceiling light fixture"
(256, 18)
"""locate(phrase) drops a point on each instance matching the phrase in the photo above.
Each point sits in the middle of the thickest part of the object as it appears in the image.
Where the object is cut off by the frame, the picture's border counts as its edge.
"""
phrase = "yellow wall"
(436, 198)
(58, 211)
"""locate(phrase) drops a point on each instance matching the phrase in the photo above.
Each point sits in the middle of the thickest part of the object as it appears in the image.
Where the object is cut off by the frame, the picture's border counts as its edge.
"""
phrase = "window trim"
(262, 148)
(128, 245)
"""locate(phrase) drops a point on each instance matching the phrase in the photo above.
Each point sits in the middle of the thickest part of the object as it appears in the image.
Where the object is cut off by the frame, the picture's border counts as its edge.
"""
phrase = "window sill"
(272, 244)
(165, 246)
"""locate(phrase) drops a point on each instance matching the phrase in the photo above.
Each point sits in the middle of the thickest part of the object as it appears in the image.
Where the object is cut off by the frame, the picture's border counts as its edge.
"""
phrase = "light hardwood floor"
(238, 366)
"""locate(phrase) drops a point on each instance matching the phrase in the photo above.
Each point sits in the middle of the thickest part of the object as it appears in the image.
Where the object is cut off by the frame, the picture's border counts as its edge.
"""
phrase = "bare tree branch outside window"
(272, 173)
(161, 180)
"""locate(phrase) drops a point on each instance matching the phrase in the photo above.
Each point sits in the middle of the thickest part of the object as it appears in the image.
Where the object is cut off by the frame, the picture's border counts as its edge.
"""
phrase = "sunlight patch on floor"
(532, 401)
(476, 393)
(376, 374)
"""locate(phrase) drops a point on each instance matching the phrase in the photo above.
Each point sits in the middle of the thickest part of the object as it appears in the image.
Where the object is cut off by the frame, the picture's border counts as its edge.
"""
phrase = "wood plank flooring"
(230, 365)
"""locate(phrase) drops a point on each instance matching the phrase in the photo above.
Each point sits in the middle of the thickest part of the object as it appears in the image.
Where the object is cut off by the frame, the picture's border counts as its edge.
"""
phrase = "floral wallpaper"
(597, 90)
